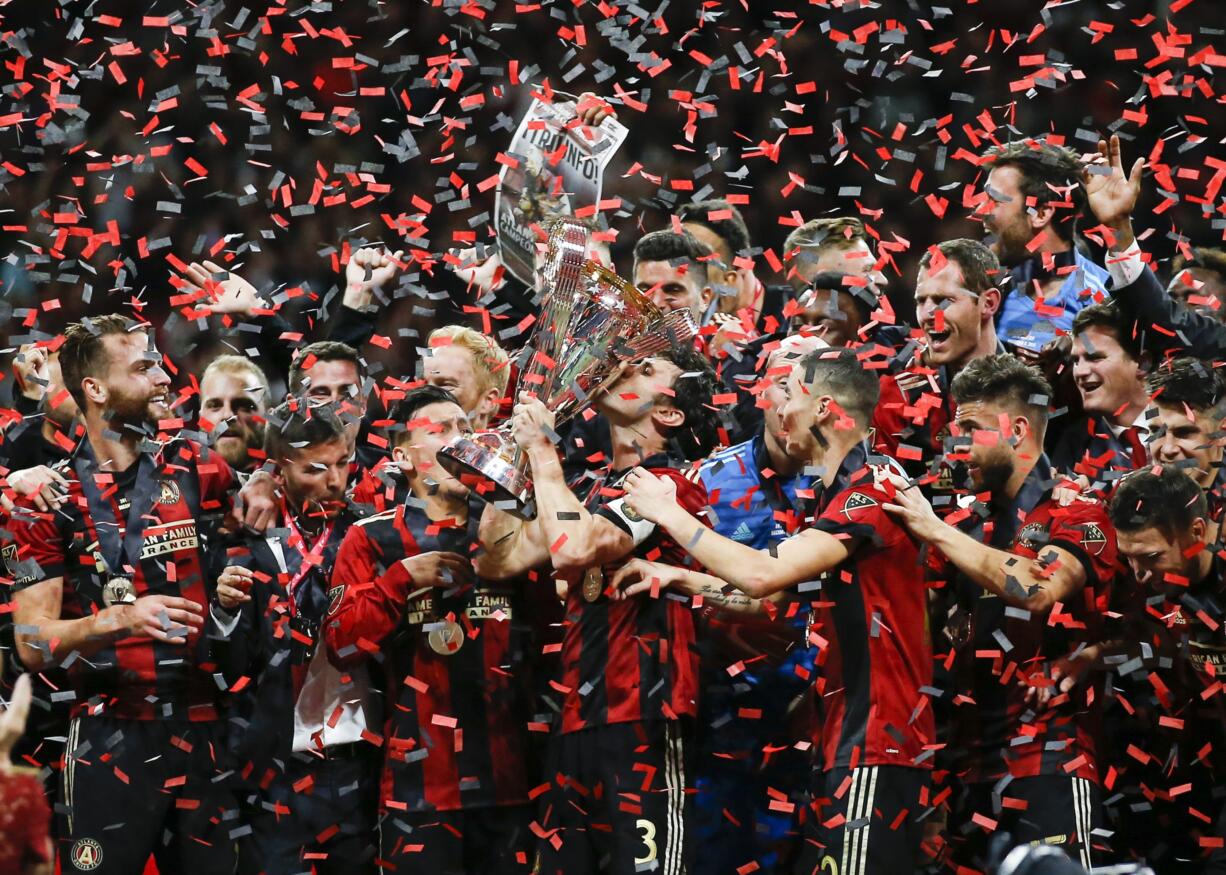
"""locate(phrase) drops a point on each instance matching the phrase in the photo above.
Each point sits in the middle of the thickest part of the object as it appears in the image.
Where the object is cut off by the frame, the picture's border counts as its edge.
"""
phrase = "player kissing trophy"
(591, 322)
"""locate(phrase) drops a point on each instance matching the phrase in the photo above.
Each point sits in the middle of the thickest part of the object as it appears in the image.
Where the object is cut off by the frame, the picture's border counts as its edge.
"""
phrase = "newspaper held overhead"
(558, 169)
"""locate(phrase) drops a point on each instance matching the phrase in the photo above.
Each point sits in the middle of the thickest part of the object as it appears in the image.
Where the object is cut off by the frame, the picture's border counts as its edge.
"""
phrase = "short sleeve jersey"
(870, 624)
(997, 730)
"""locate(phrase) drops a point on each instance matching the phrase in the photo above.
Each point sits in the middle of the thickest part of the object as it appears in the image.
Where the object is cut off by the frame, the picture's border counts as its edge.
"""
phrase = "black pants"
(484, 841)
(131, 788)
(1045, 809)
(865, 821)
(617, 801)
(317, 813)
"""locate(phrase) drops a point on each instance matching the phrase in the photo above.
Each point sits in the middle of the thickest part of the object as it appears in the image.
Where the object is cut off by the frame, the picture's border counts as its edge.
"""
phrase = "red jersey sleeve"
(364, 605)
(36, 552)
(1084, 530)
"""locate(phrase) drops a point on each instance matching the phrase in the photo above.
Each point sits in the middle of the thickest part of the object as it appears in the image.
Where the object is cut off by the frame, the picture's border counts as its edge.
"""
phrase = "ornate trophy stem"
(591, 321)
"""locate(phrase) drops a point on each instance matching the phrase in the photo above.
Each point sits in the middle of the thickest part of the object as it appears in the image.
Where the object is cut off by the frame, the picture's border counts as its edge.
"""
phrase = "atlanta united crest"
(168, 492)
(86, 855)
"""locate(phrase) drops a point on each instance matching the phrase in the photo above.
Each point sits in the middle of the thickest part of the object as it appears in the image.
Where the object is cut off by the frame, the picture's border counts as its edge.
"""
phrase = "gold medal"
(446, 638)
(118, 591)
(593, 583)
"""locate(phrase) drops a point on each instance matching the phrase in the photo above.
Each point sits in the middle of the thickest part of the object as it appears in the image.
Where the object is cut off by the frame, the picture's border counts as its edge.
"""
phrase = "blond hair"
(237, 365)
(490, 360)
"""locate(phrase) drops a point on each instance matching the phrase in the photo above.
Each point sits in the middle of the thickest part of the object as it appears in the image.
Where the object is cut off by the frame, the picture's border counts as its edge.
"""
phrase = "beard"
(235, 442)
(1011, 242)
(994, 475)
(136, 410)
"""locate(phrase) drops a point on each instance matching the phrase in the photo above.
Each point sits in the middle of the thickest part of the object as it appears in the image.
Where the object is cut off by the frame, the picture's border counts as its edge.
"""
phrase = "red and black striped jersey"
(1001, 647)
(870, 625)
(454, 659)
(631, 659)
(183, 486)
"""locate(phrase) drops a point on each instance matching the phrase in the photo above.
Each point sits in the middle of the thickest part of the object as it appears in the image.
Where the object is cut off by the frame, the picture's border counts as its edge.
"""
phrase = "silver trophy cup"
(591, 321)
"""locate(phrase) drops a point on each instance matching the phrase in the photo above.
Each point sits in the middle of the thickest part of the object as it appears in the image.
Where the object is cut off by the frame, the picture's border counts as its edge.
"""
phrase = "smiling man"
(1109, 369)
(112, 587)
(956, 301)
(1188, 425)
(1031, 202)
(1013, 563)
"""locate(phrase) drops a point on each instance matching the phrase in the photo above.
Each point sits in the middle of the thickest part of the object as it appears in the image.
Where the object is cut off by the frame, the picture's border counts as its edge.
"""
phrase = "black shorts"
(132, 788)
(317, 813)
(617, 801)
(865, 821)
(1044, 809)
(492, 841)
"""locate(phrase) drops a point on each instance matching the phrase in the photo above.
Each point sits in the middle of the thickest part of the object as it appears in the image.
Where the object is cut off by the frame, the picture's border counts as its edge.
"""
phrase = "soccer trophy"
(591, 321)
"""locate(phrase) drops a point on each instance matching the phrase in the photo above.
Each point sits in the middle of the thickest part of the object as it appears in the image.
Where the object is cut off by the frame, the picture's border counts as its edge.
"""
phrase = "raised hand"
(368, 270)
(592, 109)
(1112, 195)
(31, 369)
(532, 423)
(230, 292)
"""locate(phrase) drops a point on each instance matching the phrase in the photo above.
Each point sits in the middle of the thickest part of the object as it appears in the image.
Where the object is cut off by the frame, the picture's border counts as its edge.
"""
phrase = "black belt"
(354, 750)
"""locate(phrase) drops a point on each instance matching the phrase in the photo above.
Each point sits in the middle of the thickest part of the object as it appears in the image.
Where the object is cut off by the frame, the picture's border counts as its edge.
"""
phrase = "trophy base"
(485, 463)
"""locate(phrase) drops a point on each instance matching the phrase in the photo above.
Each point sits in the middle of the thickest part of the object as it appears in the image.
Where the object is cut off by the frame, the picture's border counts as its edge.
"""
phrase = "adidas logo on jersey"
(743, 533)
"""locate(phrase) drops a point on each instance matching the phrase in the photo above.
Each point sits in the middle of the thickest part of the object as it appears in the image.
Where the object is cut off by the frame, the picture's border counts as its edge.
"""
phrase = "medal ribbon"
(307, 565)
(102, 512)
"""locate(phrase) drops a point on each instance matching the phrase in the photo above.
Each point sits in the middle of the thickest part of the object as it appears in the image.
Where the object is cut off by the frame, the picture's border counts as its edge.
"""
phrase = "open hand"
(1112, 196)
(228, 292)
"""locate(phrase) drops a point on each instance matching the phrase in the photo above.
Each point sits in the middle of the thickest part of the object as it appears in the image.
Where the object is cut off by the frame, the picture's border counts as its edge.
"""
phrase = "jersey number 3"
(649, 841)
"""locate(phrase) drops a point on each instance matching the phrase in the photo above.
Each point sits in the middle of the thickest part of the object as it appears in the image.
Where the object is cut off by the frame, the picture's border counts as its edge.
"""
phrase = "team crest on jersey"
(334, 599)
(1093, 539)
(1032, 536)
(856, 501)
(168, 492)
(86, 855)
(630, 513)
